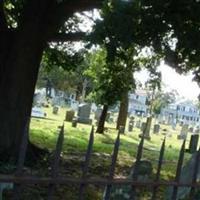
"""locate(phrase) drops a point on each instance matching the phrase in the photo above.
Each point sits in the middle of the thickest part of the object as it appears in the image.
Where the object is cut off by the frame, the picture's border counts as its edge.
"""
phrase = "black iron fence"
(18, 179)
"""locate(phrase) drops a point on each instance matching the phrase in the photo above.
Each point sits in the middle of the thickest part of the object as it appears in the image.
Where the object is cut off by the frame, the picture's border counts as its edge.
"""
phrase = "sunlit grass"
(44, 133)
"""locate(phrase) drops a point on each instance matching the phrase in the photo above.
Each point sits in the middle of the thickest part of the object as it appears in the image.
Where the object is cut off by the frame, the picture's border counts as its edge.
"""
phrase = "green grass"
(44, 133)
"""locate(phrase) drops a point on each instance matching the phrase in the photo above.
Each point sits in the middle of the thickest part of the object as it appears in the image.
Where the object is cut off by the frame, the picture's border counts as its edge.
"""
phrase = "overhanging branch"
(65, 37)
(70, 7)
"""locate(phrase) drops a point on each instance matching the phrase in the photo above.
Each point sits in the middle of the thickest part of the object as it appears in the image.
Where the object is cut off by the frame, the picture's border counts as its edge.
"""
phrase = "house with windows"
(137, 103)
(184, 112)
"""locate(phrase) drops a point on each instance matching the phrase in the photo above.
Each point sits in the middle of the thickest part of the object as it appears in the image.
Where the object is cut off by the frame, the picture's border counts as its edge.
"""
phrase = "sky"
(184, 85)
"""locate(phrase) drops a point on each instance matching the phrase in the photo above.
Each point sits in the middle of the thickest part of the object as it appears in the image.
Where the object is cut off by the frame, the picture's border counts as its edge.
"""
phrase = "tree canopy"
(169, 29)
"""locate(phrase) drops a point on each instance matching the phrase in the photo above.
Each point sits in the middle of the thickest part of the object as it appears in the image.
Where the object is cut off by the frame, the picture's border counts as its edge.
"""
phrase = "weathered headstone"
(84, 113)
(108, 116)
(138, 124)
(174, 124)
(156, 128)
(146, 129)
(191, 129)
(123, 192)
(197, 130)
(131, 125)
(184, 132)
(74, 122)
(111, 119)
(193, 143)
(97, 114)
(55, 110)
(186, 176)
(69, 115)
(142, 128)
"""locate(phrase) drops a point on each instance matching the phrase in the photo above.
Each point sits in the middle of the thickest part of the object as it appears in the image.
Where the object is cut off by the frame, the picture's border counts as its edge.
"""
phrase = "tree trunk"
(123, 111)
(102, 119)
(20, 71)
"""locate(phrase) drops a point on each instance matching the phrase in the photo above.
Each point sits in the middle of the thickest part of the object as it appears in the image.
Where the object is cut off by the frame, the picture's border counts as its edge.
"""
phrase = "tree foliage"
(169, 28)
(161, 101)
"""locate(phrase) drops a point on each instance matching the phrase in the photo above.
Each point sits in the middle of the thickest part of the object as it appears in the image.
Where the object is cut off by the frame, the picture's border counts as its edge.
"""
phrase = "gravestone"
(97, 114)
(183, 133)
(131, 124)
(69, 115)
(186, 176)
(123, 192)
(138, 124)
(55, 110)
(191, 129)
(146, 129)
(108, 116)
(74, 122)
(84, 110)
(142, 128)
(156, 128)
(174, 124)
(111, 120)
(197, 130)
(193, 143)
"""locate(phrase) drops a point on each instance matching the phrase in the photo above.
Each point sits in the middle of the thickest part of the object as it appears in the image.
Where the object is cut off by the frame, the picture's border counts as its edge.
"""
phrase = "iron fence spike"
(160, 162)
(195, 173)
(87, 161)
(55, 165)
(21, 159)
(112, 167)
(178, 170)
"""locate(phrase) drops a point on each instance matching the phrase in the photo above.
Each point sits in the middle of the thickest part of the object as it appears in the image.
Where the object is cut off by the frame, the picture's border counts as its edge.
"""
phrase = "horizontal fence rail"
(97, 181)
(19, 179)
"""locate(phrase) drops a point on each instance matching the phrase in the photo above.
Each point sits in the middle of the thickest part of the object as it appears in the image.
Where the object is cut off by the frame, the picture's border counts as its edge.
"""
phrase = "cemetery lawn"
(44, 133)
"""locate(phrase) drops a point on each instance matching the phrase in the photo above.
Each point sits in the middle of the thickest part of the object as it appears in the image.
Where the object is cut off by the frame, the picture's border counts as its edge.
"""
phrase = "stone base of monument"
(69, 115)
(84, 120)
(156, 128)
(74, 122)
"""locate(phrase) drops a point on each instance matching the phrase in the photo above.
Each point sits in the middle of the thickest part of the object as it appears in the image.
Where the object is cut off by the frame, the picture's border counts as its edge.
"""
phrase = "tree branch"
(64, 37)
(79, 6)
(3, 22)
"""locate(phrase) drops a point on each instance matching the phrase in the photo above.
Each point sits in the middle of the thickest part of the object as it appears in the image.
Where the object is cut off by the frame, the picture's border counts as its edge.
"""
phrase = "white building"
(137, 103)
(183, 112)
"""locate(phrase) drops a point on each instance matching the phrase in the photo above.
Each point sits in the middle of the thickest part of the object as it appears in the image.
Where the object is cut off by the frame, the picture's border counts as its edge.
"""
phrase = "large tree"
(170, 28)
(108, 82)
(26, 27)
